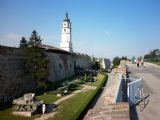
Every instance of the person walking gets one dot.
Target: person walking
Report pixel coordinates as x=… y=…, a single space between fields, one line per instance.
x=43 y=108
x=137 y=63
x=142 y=63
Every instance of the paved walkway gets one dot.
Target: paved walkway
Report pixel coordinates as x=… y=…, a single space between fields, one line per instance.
x=151 y=84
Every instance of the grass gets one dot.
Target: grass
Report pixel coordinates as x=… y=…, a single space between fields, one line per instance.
x=48 y=98
x=72 y=108
x=67 y=110
x=99 y=82
x=156 y=62
x=6 y=114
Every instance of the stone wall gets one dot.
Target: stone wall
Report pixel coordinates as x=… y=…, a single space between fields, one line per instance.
x=14 y=80
x=82 y=60
x=61 y=66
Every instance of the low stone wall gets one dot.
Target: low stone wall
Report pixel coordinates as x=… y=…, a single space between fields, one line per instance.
x=121 y=71
x=119 y=90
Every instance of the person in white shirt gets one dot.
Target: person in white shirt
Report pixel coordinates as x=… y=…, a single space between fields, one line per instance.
x=43 y=108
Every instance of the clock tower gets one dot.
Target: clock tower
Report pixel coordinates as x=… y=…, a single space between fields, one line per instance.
x=66 y=35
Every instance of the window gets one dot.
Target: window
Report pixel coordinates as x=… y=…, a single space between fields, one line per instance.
x=64 y=30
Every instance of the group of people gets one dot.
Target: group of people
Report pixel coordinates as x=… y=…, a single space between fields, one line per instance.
x=139 y=62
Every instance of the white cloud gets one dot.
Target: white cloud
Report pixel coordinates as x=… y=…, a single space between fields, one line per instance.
x=10 y=39
x=13 y=39
x=13 y=36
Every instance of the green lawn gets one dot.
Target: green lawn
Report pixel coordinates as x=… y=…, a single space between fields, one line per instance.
x=72 y=108
x=7 y=115
x=48 y=98
x=99 y=81
x=67 y=110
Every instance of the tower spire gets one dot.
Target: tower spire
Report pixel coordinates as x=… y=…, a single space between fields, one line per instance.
x=66 y=17
x=66 y=34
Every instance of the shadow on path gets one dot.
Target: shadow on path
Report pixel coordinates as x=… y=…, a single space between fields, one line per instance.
x=50 y=108
x=133 y=113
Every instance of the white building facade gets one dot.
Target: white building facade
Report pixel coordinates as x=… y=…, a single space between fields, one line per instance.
x=106 y=63
x=66 y=35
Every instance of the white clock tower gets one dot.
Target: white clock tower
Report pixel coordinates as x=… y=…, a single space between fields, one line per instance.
x=66 y=35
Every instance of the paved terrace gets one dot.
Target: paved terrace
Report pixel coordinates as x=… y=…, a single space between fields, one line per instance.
x=150 y=75
x=106 y=108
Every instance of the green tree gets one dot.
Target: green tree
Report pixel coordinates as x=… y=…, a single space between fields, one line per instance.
x=116 y=61
x=124 y=58
x=153 y=55
x=147 y=56
x=23 y=43
x=36 y=62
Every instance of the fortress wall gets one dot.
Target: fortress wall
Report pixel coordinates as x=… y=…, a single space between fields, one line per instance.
x=13 y=78
x=15 y=81
x=61 y=66
x=82 y=60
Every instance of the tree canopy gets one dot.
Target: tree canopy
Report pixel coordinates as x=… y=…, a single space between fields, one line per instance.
x=36 y=61
x=153 y=55
x=116 y=61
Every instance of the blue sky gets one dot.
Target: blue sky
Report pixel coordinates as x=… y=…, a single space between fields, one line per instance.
x=103 y=28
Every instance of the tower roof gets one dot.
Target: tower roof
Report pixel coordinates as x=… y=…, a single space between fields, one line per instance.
x=66 y=18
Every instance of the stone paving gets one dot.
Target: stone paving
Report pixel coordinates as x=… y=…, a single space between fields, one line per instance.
x=150 y=74
x=113 y=111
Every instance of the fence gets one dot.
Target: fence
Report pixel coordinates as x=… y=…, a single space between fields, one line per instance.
x=134 y=90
